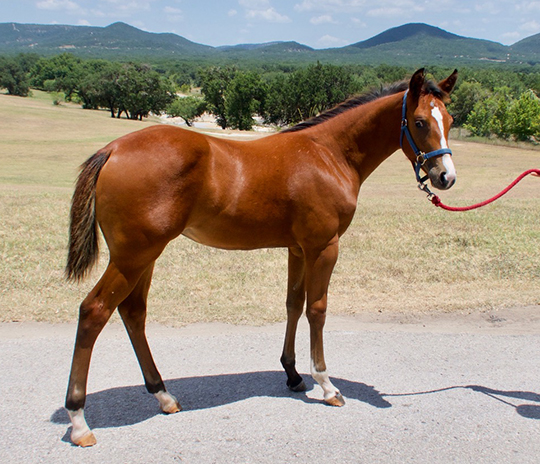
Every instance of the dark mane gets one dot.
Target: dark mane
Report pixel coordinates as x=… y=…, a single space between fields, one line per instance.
x=430 y=87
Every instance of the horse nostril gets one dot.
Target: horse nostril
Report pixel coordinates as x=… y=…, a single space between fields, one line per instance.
x=443 y=178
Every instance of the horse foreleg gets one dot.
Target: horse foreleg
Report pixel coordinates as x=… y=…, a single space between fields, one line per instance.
x=133 y=313
x=94 y=312
x=296 y=297
x=319 y=270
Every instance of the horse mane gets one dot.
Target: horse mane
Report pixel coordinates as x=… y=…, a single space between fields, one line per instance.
x=430 y=87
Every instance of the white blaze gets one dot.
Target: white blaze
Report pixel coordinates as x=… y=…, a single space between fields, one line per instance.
x=446 y=159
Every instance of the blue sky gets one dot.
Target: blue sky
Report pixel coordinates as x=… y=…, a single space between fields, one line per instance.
x=317 y=23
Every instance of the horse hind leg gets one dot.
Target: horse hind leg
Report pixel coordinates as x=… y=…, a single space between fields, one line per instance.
x=133 y=313
x=96 y=309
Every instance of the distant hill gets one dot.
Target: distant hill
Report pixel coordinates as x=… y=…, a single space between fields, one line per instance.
x=405 y=32
x=118 y=39
x=410 y=44
x=529 y=46
x=268 y=50
x=424 y=42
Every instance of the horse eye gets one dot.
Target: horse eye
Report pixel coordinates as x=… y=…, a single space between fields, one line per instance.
x=419 y=124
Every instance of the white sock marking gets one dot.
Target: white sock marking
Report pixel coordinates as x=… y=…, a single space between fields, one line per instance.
x=80 y=427
x=324 y=381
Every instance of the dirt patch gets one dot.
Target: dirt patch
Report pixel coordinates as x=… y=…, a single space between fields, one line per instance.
x=518 y=320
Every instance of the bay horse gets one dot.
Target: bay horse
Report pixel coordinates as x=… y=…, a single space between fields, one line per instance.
x=296 y=189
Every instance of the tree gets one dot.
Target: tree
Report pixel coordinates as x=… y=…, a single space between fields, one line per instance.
x=214 y=82
x=491 y=115
x=63 y=71
x=464 y=99
x=13 y=77
x=307 y=92
x=96 y=83
x=233 y=96
x=277 y=111
x=524 y=116
x=244 y=96
x=188 y=108
x=142 y=91
x=478 y=120
x=500 y=120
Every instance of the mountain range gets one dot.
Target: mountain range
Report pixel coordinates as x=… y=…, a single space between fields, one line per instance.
x=411 y=43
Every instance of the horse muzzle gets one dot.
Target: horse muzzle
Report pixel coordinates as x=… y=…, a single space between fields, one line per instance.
x=442 y=179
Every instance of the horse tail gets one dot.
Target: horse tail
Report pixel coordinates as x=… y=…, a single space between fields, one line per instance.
x=83 y=247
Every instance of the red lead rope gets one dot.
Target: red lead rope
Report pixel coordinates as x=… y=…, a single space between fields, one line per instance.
x=437 y=201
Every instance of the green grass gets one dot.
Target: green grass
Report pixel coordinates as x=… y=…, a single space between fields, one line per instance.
x=400 y=254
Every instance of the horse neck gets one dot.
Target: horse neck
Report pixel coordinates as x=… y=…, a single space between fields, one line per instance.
x=365 y=136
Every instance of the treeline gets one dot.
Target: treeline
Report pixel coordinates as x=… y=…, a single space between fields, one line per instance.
x=488 y=102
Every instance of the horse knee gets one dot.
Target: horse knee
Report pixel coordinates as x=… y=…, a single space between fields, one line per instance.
x=316 y=311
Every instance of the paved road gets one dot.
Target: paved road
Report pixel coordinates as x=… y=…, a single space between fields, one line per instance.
x=461 y=390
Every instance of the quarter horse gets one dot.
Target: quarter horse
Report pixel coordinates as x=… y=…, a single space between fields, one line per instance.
x=296 y=189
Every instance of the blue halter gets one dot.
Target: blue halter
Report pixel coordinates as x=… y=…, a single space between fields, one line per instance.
x=421 y=157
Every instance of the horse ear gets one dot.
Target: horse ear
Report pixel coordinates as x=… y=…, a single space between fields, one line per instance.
x=447 y=85
x=417 y=83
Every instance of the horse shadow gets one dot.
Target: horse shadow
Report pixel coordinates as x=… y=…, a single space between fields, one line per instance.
x=129 y=405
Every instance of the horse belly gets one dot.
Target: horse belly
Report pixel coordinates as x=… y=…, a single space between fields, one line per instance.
x=239 y=233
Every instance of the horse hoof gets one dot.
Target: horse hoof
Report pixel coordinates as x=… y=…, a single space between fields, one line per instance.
x=167 y=402
x=173 y=409
x=300 y=387
x=88 y=439
x=337 y=400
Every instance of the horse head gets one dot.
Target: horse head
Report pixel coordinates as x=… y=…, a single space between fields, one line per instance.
x=425 y=125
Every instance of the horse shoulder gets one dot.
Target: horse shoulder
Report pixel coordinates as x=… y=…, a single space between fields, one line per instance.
x=323 y=188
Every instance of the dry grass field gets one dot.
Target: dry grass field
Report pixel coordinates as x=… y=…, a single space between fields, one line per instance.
x=400 y=255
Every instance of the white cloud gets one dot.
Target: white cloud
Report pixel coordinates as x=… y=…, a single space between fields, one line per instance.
x=330 y=5
x=58 y=5
x=130 y=6
x=270 y=15
x=382 y=12
x=511 y=36
x=170 y=9
x=528 y=6
x=98 y=13
x=173 y=14
x=232 y=13
x=324 y=19
x=392 y=8
x=358 y=22
x=488 y=8
x=254 y=4
x=261 y=10
x=330 y=41
x=531 y=26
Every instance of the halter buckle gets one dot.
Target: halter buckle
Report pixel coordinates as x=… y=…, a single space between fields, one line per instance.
x=424 y=188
